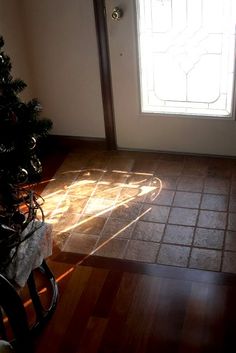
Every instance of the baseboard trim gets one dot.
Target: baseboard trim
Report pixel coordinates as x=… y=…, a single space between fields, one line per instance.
x=67 y=143
x=193 y=154
x=73 y=142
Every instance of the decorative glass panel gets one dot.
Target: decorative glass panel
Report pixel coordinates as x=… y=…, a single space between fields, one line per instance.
x=187 y=54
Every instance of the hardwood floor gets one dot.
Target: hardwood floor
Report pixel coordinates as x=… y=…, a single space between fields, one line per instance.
x=117 y=306
x=107 y=305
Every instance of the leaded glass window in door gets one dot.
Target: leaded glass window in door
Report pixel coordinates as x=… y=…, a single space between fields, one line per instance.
x=187 y=56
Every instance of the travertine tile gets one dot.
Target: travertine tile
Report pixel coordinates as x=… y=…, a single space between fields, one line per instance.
x=229 y=262
x=183 y=216
x=217 y=185
x=141 y=251
x=72 y=162
x=174 y=255
x=111 y=247
x=214 y=202
x=232 y=221
x=218 y=172
x=75 y=204
x=129 y=210
x=60 y=238
x=212 y=219
x=120 y=163
x=106 y=191
x=189 y=183
x=205 y=259
x=230 y=241
x=178 y=234
x=233 y=184
x=148 y=231
x=220 y=167
x=155 y=213
x=209 y=238
x=145 y=165
x=139 y=179
x=98 y=162
x=187 y=199
x=130 y=195
x=64 y=222
x=81 y=243
x=89 y=175
x=52 y=205
x=121 y=228
x=195 y=166
x=89 y=225
x=170 y=168
x=168 y=182
x=99 y=206
x=64 y=179
x=137 y=189
x=113 y=178
x=156 y=184
x=82 y=188
x=232 y=203
x=163 y=197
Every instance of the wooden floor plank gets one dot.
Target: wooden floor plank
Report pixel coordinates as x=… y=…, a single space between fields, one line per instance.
x=194 y=320
x=83 y=311
x=141 y=314
x=53 y=335
x=116 y=325
x=144 y=313
x=93 y=335
x=107 y=295
x=169 y=316
x=229 y=321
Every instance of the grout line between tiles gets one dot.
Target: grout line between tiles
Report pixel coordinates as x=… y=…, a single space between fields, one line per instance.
x=175 y=189
x=164 y=230
x=226 y=226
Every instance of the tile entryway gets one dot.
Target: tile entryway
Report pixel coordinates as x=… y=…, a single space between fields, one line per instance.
x=150 y=207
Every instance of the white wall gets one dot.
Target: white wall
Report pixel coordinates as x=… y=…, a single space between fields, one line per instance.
x=15 y=45
x=61 y=42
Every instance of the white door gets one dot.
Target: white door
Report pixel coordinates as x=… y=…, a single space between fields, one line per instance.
x=183 y=100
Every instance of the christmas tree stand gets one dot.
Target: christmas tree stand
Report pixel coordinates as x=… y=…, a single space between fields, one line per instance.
x=25 y=237
x=30 y=257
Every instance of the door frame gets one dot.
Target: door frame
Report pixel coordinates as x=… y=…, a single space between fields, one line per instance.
x=106 y=76
x=105 y=73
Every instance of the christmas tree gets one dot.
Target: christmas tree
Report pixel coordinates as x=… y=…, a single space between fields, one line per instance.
x=21 y=128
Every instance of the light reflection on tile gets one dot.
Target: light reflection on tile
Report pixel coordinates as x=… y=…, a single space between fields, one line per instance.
x=146 y=207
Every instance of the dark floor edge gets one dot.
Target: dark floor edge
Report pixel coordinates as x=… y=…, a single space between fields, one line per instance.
x=180 y=153
x=156 y=270
x=75 y=142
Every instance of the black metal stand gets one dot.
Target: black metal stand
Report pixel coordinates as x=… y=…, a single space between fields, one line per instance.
x=42 y=315
x=13 y=307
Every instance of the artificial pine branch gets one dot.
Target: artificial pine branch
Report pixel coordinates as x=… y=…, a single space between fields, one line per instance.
x=20 y=129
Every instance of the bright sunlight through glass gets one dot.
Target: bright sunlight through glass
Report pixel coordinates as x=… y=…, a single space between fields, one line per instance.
x=187 y=54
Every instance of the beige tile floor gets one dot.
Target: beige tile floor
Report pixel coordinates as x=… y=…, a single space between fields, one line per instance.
x=149 y=207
